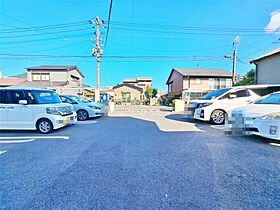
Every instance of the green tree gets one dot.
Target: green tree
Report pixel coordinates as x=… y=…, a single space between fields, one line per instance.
x=249 y=79
x=150 y=92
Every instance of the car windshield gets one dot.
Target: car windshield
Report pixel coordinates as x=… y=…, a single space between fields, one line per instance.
x=215 y=94
x=79 y=99
x=271 y=99
x=45 y=97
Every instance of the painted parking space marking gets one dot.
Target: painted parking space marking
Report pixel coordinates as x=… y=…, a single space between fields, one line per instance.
x=16 y=141
x=86 y=122
x=2 y=152
x=34 y=137
x=218 y=127
x=275 y=144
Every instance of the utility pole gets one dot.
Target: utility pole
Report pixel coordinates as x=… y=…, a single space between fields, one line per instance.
x=97 y=52
x=233 y=57
x=235 y=43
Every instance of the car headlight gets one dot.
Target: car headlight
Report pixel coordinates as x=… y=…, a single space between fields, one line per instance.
x=53 y=110
x=272 y=116
x=94 y=107
x=204 y=104
x=60 y=110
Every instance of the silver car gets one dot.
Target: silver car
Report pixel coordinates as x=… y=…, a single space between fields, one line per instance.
x=84 y=108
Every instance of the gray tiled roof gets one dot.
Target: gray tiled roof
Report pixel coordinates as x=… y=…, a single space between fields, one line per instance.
x=40 y=84
x=203 y=72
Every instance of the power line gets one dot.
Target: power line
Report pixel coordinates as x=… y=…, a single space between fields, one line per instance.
x=114 y=61
x=49 y=27
x=186 y=33
x=108 y=21
x=111 y=56
x=199 y=28
x=44 y=34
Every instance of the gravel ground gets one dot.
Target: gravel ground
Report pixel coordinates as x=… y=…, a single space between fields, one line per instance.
x=137 y=159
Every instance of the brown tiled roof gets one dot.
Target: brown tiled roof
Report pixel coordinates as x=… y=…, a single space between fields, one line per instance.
x=5 y=82
x=48 y=67
x=273 y=52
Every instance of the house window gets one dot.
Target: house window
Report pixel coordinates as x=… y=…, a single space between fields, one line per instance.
x=211 y=84
x=228 y=82
x=170 y=87
x=40 y=76
x=197 y=81
x=222 y=83
x=36 y=77
x=45 y=76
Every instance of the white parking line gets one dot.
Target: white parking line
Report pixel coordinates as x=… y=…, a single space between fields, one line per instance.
x=86 y=122
x=275 y=144
x=34 y=137
x=2 y=152
x=16 y=141
x=219 y=127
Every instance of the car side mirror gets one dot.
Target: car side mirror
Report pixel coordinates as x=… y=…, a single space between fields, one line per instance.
x=23 y=102
x=232 y=96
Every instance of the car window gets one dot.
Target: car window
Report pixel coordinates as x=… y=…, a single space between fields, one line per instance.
x=215 y=94
x=30 y=97
x=241 y=93
x=14 y=96
x=66 y=100
x=271 y=99
x=265 y=91
x=2 y=97
x=45 y=97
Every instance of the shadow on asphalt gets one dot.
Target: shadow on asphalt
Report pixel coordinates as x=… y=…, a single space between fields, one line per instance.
x=201 y=125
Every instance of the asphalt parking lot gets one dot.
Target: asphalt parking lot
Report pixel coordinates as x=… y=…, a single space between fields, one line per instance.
x=138 y=158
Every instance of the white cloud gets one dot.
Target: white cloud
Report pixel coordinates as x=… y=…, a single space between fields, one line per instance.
x=274 y=24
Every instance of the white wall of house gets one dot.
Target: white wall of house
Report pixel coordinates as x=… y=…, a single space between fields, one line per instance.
x=58 y=76
x=268 y=70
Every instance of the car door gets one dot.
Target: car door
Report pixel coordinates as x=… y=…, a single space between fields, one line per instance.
x=19 y=116
x=3 y=110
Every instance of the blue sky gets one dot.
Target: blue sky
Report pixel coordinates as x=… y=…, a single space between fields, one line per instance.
x=137 y=40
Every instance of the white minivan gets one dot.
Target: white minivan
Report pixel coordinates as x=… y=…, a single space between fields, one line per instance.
x=31 y=109
x=215 y=105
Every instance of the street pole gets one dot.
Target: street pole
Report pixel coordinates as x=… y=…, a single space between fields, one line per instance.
x=235 y=43
x=233 y=66
x=97 y=52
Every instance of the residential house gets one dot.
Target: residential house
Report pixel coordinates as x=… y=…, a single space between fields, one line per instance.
x=268 y=68
x=197 y=79
x=63 y=79
x=128 y=93
x=142 y=82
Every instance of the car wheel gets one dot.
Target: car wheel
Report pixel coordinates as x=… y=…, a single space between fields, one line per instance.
x=82 y=115
x=44 y=126
x=218 y=117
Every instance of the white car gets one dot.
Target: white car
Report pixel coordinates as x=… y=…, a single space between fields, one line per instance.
x=84 y=108
x=261 y=117
x=31 y=109
x=215 y=105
